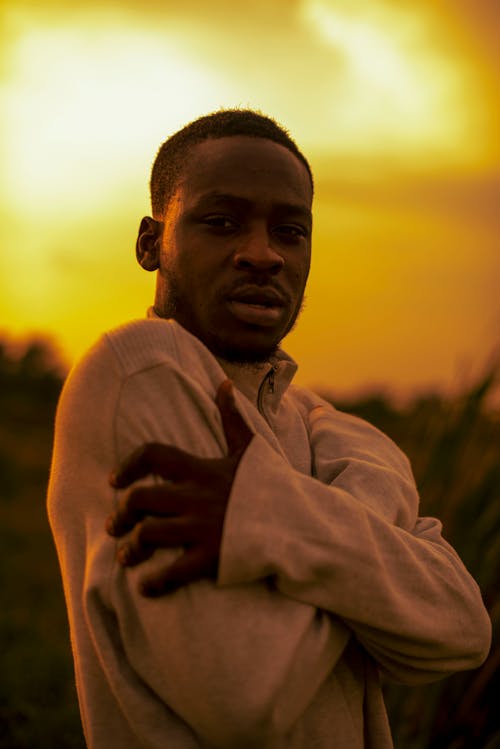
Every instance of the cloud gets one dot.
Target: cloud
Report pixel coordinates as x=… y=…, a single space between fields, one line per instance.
x=463 y=198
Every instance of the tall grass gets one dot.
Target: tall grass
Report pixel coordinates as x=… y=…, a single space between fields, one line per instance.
x=38 y=707
x=453 y=445
x=454 y=448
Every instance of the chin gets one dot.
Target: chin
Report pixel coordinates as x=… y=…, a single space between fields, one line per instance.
x=237 y=344
x=241 y=354
x=247 y=357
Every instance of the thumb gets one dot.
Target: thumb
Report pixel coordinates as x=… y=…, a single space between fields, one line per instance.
x=236 y=430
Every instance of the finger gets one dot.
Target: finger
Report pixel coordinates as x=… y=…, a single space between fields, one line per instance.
x=129 y=557
x=162 y=499
x=191 y=566
x=236 y=430
x=167 y=461
x=155 y=533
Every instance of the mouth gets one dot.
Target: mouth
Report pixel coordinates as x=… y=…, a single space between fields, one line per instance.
x=263 y=307
x=256 y=314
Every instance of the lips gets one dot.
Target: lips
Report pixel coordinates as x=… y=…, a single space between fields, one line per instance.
x=257 y=306
x=257 y=296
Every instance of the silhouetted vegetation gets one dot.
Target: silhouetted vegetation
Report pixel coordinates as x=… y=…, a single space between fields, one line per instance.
x=453 y=445
x=37 y=694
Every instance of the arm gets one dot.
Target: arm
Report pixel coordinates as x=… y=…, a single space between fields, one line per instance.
x=349 y=541
x=238 y=664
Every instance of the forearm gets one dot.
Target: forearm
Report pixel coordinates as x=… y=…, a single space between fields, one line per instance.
x=404 y=592
x=240 y=665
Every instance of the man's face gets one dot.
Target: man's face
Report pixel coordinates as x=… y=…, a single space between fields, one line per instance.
x=236 y=245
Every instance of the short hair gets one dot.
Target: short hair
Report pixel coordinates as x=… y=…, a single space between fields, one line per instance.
x=173 y=153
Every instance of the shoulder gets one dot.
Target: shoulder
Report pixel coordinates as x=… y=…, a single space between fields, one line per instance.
x=321 y=414
x=115 y=356
x=153 y=342
x=340 y=432
x=134 y=355
x=132 y=347
x=141 y=343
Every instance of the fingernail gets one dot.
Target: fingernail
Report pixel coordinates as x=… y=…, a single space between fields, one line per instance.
x=110 y=525
x=123 y=555
x=232 y=400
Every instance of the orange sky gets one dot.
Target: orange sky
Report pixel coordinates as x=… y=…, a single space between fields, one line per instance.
x=395 y=103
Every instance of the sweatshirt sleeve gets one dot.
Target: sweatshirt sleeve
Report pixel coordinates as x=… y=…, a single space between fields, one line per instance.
x=237 y=664
x=348 y=541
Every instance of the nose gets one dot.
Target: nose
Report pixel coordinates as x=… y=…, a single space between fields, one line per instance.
x=256 y=253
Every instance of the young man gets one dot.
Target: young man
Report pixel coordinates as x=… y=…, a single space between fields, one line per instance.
x=266 y=562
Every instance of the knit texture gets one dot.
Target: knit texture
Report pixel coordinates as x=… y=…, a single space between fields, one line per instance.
x=327 y=576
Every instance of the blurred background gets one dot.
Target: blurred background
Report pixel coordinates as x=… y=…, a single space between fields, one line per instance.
x=397 y=107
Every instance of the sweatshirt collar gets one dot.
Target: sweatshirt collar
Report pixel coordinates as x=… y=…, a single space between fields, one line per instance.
x=263 y=384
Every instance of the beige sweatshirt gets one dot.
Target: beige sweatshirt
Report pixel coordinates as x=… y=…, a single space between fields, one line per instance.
x=327 y=575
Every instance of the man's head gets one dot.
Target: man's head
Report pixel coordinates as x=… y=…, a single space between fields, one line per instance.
x=231 y=234
x=174 y=152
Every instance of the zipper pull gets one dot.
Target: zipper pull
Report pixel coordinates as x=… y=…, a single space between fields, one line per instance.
x=271 y=378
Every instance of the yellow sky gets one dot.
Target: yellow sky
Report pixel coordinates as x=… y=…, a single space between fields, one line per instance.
x=395 y=103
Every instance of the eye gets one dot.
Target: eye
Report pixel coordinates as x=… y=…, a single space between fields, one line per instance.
x=220 y=223
x=291 y=232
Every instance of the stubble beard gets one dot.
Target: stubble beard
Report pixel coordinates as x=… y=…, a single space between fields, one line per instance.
x=175 y=305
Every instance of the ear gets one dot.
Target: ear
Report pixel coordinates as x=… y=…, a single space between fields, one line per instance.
x=147 y=247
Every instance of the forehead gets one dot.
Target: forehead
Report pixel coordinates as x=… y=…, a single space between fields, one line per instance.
x=255 y=169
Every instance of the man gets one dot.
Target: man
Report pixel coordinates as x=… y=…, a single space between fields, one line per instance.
x=266 y=562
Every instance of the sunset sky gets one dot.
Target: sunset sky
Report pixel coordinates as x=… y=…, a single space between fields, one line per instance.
x=395 y=103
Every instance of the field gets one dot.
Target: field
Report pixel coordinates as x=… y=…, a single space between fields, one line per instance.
x=454 y=447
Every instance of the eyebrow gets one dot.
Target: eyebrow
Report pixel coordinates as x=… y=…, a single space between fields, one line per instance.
x=240 y=202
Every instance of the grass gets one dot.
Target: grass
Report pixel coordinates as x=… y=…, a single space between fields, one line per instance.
x=38 y=705
x=453 y=445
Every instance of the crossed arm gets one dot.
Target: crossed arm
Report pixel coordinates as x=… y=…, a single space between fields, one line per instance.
x=301 y=562
x=186 y=510
x=391 y=578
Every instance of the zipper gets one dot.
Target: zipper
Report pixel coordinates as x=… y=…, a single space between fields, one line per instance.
x=271 y=378
x=270 y=381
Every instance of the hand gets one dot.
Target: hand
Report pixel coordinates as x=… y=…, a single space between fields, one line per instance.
x=187 y=509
